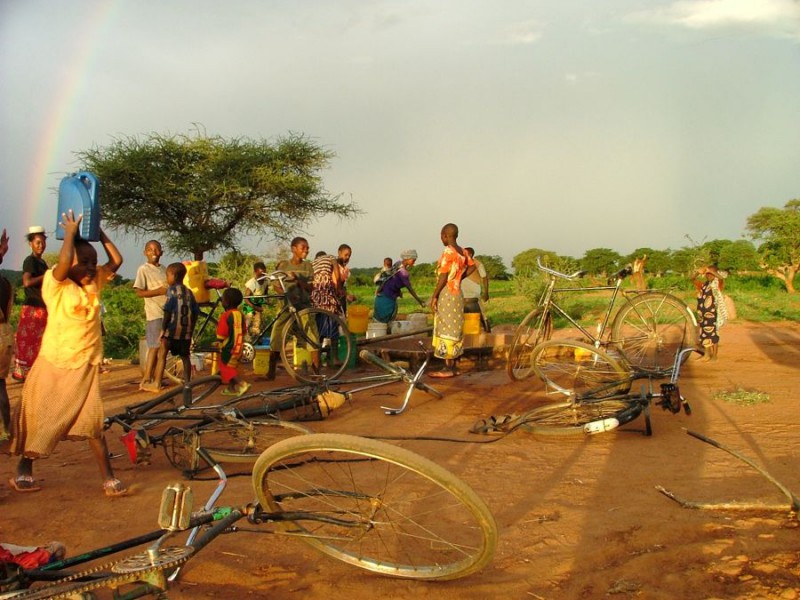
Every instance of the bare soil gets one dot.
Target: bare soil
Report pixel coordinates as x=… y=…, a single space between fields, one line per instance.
x=577 y=519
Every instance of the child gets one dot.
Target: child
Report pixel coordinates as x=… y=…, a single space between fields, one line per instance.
x=324 y=295
x=151 y=285
x=61 y=398
x=230 y=338
x=382 y=274
x=252 y=308
x=180 y=316
x=298 y=294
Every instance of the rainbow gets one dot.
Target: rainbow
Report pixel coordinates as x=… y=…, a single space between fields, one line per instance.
x=48 y=163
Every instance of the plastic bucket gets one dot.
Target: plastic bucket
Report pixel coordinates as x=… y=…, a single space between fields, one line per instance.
x=351 y=363
x=418 y=321
x=301 y=356
x=401 y=327
x=376 y=329
x=357 y=318
x=472 y=323
x=261 y=360
x=196 y=275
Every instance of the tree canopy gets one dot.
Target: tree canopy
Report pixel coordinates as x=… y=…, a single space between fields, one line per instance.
x=202 y=193
x=779 y=228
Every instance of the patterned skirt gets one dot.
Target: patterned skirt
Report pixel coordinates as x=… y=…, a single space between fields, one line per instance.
x=57 y=404
x=32 y=321
x=448 y=326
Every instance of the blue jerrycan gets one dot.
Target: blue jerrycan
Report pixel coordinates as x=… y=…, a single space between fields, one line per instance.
x=80 y=192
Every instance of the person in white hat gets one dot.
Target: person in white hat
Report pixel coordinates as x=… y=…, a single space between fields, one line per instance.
x=33 y=315
x=390 y=287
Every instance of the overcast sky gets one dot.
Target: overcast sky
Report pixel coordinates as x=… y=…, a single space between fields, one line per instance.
x=557 y=124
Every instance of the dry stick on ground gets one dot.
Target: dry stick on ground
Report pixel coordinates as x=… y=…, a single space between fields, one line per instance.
x=794 y=501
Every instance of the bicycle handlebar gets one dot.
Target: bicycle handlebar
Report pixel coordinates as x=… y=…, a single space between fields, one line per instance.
x=574 y=276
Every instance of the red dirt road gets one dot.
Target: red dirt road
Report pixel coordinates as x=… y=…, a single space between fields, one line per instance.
x=576 y=519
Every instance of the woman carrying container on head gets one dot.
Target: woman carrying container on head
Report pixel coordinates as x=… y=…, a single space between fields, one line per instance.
x=390 y=287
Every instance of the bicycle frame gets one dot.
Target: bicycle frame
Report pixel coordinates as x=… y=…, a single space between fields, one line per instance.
x=548 y=303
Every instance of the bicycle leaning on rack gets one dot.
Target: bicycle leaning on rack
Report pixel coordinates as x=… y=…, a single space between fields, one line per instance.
x=370 y=504
x=300 y=335
x=648 y=328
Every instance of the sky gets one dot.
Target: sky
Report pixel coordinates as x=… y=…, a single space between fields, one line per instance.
x=557 y=124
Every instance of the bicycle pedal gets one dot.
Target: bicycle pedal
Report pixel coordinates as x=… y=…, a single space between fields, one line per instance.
x=671 y=398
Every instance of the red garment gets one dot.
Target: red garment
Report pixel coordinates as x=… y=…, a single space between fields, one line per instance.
x=32 y=321
x=25 y=557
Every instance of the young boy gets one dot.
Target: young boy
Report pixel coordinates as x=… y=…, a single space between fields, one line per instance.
x=180 y=316
x=230 y=338
x=151 y=285
x=252 y=308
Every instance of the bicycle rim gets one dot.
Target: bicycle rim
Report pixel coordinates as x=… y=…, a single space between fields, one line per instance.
x=302 y=339
x=570 y=418
x=377 y=506
x=575 y=368
x=245 y=441
x=536 y=327
x=651 y=328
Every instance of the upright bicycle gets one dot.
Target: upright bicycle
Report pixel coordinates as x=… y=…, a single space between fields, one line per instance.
x=300 y=339
x=647 y=329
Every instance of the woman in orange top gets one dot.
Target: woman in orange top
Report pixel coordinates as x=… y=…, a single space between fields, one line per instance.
x=61 y=398
x=447 y=302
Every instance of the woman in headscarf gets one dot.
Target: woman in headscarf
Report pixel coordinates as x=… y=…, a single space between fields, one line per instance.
x=33 y=316
x=712 y=312
x=390 y=287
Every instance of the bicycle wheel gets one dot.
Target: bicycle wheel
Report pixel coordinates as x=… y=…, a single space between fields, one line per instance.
x=536 y=327
x=236 y=441
x=376 y=506
x=574 y=368
x=301 y=340
x=651 y=328
x=572 y=418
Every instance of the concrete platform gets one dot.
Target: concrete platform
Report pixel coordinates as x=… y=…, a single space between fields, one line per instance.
x=482 y=351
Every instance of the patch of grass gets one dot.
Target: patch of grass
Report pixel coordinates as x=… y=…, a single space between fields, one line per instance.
x=742 y=397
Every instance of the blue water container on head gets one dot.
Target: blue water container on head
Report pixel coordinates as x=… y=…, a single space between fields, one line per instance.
x=80 y=192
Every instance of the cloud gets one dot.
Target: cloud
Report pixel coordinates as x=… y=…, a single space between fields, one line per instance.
x=781 y=17
x=523 y=33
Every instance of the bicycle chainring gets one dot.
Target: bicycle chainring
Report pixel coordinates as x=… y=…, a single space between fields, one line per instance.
x=133 y=569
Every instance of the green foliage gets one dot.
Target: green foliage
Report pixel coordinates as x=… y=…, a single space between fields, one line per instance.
x=202 y=193
x=601 y=261
x=740 y=255
x=495 y=269
x=780 y=231
x=123 y=320
x=524 y=263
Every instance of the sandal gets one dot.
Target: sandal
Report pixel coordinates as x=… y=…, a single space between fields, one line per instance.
x=496 y=426
x=24 y=484
x=114 y=487
x=442 y=374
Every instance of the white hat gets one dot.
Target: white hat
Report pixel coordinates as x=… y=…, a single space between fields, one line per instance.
x=34 y=229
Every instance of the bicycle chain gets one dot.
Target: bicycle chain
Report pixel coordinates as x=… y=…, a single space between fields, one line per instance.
x=139 y=565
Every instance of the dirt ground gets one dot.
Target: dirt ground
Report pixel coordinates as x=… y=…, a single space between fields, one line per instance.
x=576 y=519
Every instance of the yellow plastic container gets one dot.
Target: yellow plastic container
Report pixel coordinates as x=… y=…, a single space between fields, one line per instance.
x=261 y=360
x=196 y=275
x=301 y=355
x=472 y=323
x=357 y=318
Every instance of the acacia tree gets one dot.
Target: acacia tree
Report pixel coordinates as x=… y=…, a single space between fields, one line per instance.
x=201 y=193
x=780 y=231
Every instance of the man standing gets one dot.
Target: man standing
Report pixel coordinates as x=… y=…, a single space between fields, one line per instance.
x=475 y=288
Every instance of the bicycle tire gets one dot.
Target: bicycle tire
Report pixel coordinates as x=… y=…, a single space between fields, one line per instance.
x=303 y=326
x=406 y=516
x=651 y=328
x=570 y=418
x=536 y=327
x=573 y=368
x=234 y=442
